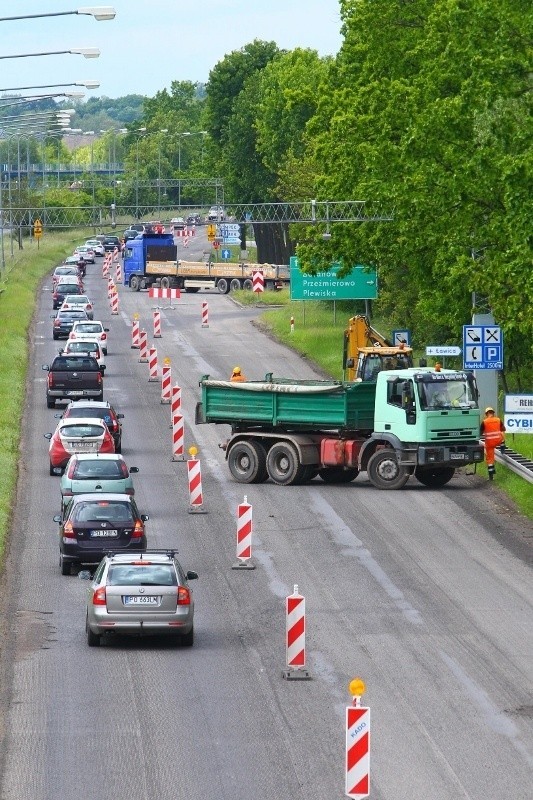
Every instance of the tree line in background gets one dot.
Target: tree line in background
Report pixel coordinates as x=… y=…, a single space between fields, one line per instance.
x=425 y=111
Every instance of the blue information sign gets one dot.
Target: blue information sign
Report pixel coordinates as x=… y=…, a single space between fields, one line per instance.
x=225 y=253
x=482 y=347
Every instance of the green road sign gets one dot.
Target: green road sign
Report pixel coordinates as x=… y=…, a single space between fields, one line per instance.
x=359 y=284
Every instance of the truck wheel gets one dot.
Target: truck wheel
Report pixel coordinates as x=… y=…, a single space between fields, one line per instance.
x=338 y=475
x=248 y=285
x=223 y=285
x=135 y=283
x=247 y=462
x=385 y=472
x=283 y=464
x=434 y=477
x=235 y=285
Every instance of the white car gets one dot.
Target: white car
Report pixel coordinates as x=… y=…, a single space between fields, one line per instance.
x=90 y=329
x=83 y=346
x=78 y=302
x=95 y=245
x=87 y=253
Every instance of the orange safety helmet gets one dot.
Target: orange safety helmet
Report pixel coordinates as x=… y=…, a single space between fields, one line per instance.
x=236 y=370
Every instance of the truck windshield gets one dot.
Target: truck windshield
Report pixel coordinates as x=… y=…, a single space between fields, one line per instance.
x=448 y=393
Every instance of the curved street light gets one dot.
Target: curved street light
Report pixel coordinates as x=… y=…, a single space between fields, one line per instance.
x=100 y=13
x=86 y=52
x=87 y=84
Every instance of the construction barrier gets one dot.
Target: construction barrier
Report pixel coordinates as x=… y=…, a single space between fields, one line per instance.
x=258 y=280
x=143 y=347
x=244 y=536
x=152 y=364
x=292 y=324
x=295 y=636
x=110 y=286
x=114 y=302
x=115 y=254
x=163 y=294
x=157 y=324
x=357 y=744
x=175 y=400
x=135 y=333
x=166 y=381
x=178 y=437
x=118 y=272
x=194 y=474
x=205 y=314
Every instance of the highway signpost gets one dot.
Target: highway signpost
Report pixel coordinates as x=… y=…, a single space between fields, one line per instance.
x=229 y=232
x=359 y=284
x=482 y=347
x=37 y=230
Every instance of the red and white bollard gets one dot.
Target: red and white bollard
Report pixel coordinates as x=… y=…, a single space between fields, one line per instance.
x=166 y=381
x=258 y=281
x=175 y=400
x=135 y=333
x=157 y=324
x=178 y=437
x=194 y=474
x=205 y=314
x=118 y=272
x=295 y=637
x=114 y=302
x=292 y=324
x=110 y=286
x=105 y=268
x=143 y=347
x=357 y=744
x=116 y=254
x=152 y=364
x=244 y=536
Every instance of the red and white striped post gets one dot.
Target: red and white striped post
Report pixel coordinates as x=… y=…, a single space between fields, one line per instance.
x=357 y=744
x=295 y=637
x=116 y=254
x=258 y=281
x=244 y=536
x=152 y=364
x=105 y=267
x=157 y=324
x=118 y=272
x=194 y=474
x=110 y=286
x=292 y=324
x=175 y=400
x=178 y=437
x=205 y=314
x=166 y=381
x=143 y=347
x=114 y=301
x=135 y=333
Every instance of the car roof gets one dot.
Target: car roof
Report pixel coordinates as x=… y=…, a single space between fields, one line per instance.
x=93 y=322
x=103 y=496
x=79 y=421
x=129 y=558
x=98 y=456
x=90 y=403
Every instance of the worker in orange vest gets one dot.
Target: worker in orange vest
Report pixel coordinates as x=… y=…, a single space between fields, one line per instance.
x=237 y=375
x=493 y=434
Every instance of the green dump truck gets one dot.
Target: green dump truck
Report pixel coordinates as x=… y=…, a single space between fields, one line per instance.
x=420 y=422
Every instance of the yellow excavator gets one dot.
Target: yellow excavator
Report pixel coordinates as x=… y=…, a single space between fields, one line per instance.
x=366 y=352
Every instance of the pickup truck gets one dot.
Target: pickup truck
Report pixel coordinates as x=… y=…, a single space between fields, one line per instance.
x=73 y=377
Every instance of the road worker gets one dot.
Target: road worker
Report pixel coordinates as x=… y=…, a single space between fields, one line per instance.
x=493 y=434
x=237 y=375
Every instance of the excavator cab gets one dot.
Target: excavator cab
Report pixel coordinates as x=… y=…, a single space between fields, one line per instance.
x=366 y=352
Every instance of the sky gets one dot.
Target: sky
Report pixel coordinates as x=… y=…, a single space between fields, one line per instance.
x=153 y=42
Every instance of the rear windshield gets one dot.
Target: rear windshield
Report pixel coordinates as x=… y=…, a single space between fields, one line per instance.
x=137 y=575
x=83 y=347
x=68 y=288
x=81 y=431
x=87 y=411
x=89 y=328
x=104 y=511
x=106 y=470
x=72 y=315
x=75 y=364
x=76 y=298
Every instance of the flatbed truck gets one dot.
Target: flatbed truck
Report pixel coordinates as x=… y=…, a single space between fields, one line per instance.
x=417 y=421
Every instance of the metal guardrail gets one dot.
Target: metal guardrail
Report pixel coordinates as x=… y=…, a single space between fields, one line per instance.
x=517 y=463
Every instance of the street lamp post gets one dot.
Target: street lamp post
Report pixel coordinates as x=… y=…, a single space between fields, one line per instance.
x=100 y=13
x=162 y=130
x=87 y=84
x=141 y=131
x=184 y=133
x=86 y=52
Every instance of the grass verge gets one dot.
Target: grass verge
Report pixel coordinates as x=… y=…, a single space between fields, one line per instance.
x=18 y=288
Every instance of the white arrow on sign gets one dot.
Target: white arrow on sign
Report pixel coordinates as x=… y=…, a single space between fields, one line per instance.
x=443 y=350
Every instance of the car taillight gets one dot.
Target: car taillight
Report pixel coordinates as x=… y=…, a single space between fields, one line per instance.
x=70 y=473
x=103 y=337
x=123 y=469
x=184 y=596
x=50 y=379
x=88 y=307
x=99 y=598
x=67 y=528
x=67 y=493
x=138 y=528
x=57 y=323
x=98 y=377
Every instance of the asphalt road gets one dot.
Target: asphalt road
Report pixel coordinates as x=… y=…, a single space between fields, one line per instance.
x=426 y=595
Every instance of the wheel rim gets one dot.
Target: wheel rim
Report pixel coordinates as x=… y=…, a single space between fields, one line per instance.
x=388 y=469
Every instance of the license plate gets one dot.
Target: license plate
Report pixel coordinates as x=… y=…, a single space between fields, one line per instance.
x=141 y=600
x=85 y=445
x=104 y=533
x=457 y=457
x=75 y=393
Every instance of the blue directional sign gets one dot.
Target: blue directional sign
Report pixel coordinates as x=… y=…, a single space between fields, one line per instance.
x=225 y=253
x=482 y=347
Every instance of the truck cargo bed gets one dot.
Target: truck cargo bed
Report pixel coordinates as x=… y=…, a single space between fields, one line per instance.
x=299 y=405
